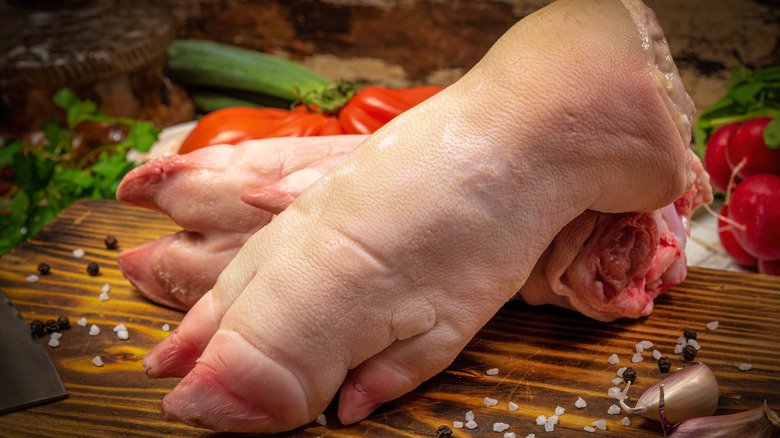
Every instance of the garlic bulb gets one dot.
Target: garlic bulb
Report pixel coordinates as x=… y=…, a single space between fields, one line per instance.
x=689 y=393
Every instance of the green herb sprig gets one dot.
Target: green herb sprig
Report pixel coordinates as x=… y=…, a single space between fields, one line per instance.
x=749 y=94
x=48 y=178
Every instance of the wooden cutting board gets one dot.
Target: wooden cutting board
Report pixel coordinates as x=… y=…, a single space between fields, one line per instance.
x=546 y=357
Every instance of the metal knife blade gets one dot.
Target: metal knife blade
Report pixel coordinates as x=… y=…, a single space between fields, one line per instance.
x=27 y=375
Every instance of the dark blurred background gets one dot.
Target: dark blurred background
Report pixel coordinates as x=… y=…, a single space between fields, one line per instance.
x=46 y=44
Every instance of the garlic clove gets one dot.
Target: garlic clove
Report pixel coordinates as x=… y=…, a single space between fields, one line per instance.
x=689 y=393
x=759 y=422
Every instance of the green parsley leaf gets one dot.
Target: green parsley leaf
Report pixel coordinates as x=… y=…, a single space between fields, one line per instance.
x=748 y=95
x=47 y=179
x=772 y=134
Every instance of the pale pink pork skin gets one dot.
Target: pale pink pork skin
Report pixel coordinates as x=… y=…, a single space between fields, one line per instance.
x=378 y=274
x=202 y=193
x=604 y=265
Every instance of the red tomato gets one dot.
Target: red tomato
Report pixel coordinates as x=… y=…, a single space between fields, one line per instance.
x=236 y=124
x=372 y=107
x=365 y=112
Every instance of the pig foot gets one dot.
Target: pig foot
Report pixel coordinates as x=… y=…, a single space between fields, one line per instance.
x=277 y=196
x=177 y=269
x=377 y=276
x=204 y=192
x=278 y=372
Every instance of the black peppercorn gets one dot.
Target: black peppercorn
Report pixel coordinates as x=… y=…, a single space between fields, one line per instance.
x=443 y=432
x=93 y=269
x=63 y=322
x=110 y=242
x=629 y=375
x=689 y=352
x=664 y=364
x=690 y=334
x=44 y=269
x=52 y=326
x=38 y=327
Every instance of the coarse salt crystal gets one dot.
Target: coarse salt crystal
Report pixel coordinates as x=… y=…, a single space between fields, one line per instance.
x=82 y=322
x=120 y=327
x=656 y=354
x=55 y=335
x=600 y=424
x=560 y=410
x=745 y=366
x=540 y=420
x=621 y=370
x=552 y=419
x=636 y=358
x=613 y=410
x=106 y=288
x=626 y=421
x=500 y=427
x=639 y=348
x=469 y=415
x=695 y=343
x=471 y=424
x=712 y=325
x=32 y=278
x=646 y=344
x=457 y=425
x=321 y=420
x=94 y=330
x=513 y=406
x=490 y=401
x=122 y=334
x=531 y=435
x=678 y=349
x=682 y=340
x=614 y=392
x=549 y=426
x=103 y=296
x=510 y=435
x=78 y=253
x=613 y=359
x=492 y=372
x=166 y=327
x=54 y=342
x=580 y=403
x=617 y=381
x=589 y=428
x=97 y=361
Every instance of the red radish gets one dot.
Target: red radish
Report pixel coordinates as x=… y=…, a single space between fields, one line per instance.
x=747 y=142
x=755 y=205
x=730 y=244
x=715 y=162
x=769 y=268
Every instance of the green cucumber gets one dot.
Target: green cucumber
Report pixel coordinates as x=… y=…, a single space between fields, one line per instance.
x=202 y=63
x=207 y=100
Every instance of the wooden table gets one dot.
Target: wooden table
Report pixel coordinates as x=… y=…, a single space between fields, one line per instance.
x=546 y=357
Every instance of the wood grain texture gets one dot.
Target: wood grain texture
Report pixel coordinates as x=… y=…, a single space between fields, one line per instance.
x=546 y=357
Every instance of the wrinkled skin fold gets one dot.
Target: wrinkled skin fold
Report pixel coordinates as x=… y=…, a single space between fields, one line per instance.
x=377 y=275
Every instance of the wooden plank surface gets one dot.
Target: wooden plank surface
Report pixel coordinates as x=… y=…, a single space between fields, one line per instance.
x=546 y=357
